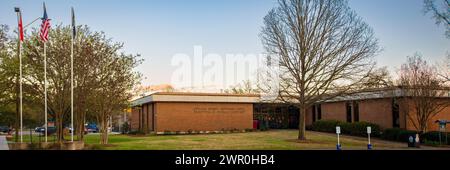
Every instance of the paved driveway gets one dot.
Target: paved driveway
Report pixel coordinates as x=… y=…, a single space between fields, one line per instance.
x=3 y=143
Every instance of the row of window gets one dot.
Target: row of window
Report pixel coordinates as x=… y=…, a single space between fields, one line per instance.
x=352 y=112
x=352 y=108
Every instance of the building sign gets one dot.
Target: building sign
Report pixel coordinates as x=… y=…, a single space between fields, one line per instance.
x=223 y=110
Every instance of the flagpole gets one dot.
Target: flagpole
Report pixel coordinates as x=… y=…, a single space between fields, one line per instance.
x=71 y=87
x=71 y=92
x=20 y=82
x=45 y=90
x=19 y=17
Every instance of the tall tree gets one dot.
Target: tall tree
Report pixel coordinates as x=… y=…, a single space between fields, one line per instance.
x=423 y=90
x=9 y=74
x=97 y=62
x=115 y=80
x=440 y=10
x=324 y=49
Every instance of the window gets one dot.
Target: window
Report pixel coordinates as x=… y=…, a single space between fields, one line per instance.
x=355 y=112
x=319 y=112
x=349 y=111
x=314 y=113
x=395 y=114
x=140 y=118
x=147 y=118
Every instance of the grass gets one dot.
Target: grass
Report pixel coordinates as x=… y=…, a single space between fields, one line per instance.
x=267 y=140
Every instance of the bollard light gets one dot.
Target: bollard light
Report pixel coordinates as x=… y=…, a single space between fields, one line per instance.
x=369 y=131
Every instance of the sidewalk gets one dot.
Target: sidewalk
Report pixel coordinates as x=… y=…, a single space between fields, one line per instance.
x=3 y=143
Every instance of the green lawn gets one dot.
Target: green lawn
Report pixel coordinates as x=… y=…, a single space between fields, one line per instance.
x=272 y=140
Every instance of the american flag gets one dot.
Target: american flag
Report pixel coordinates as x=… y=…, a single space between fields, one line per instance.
x=45 y=27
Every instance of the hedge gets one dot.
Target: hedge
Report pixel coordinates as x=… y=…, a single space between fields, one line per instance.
x=401 y=135
x=433 y=137
x=397 y=134
x=354 y=129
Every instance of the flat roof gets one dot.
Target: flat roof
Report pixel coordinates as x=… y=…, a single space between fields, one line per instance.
x=255 y=98
x=196 y=97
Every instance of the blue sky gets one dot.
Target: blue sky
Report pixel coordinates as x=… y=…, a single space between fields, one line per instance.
x=159 y=29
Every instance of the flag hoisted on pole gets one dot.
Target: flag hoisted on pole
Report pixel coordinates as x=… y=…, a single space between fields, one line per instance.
x=20 y=27
x=74 y=33
x=44 y=38
x=20 y=34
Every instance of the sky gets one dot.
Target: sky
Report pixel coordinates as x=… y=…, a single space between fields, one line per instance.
x=160 y=29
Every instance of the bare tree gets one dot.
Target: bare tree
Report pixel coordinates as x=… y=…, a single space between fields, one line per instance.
x=444 y=69
x=422 y=91
x=324 y=50
x=441 y=12
x=245 y=87
x=379 y=78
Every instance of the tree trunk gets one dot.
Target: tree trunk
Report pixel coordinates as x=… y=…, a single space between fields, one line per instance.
x=59 y=128
x=104 y=130
x=80 y=126
x=301 y=124
x=79 y=122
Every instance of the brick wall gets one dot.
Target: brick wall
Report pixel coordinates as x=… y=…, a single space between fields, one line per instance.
x=142 y=120
x=378 y=111
x=203 y=116
x=432 y=126
x=334 y=111
x=134 y=119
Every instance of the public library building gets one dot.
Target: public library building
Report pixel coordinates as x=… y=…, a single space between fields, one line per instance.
x=184 y=111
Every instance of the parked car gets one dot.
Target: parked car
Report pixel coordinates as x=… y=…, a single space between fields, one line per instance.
x=91 y=128
x=4 y=129
x=50 y=130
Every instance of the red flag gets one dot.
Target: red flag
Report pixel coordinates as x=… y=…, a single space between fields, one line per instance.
x=20 y=28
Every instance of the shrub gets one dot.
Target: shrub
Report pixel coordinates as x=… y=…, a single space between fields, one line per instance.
x=355 y=128
x=325 y=125
x=359 y=128
x=136 y=132
x=125 y=128
x=308 y=127
x=433 y=137
x=263 y=125
x=397 y=134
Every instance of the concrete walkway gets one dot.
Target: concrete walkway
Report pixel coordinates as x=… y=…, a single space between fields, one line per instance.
x=3 y=143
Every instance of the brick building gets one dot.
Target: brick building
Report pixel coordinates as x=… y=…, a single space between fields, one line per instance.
x=166 y=111
x=385 y=107
x=174 y=111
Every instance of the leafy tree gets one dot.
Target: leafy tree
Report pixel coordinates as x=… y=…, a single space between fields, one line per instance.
x=103 y=76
